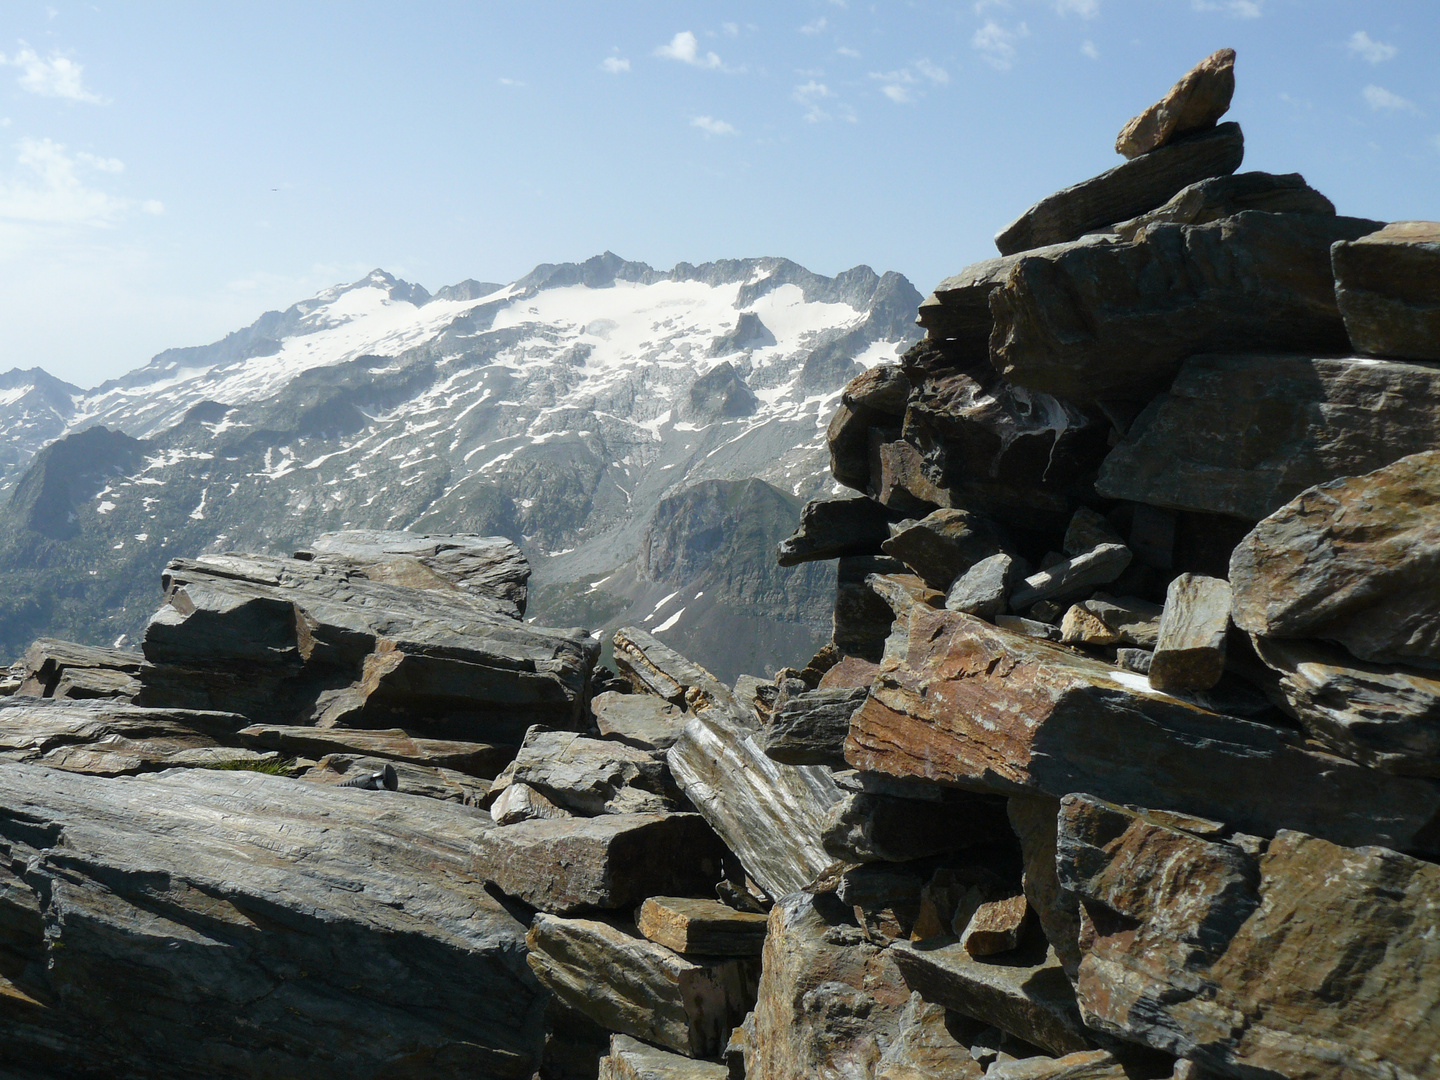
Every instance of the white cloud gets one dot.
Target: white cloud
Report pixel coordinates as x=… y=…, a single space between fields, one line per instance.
x=510 y=82
x=899 y=85
x=934 y=72
x=897 y=93
x=815 y=27
x=810 y=95
x=1089 y=49
x=685 y=48
x=996 y=44
x=615 y=64
x=854 y=54
x=110 y=165
x=730 y=29
x=1086 y=9
x=711 y=126
x=48 y=190
x=1378 y=98
x=57 y=76
x=153 y=206
x=1377 y=52
x=1237 y=9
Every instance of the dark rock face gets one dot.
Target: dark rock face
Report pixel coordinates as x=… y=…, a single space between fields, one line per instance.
x=226 y=906
x=1226 y=196
x=1386 y=286
x=720 y=393
x=1114 y=322
x=1124 y=191
x=1243 y=435
x=835 y=528
x=1355 y=560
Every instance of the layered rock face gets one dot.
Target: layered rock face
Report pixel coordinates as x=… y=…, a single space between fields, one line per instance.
x=1123 y=760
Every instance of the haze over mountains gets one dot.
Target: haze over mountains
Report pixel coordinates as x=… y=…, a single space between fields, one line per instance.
x=646 y=436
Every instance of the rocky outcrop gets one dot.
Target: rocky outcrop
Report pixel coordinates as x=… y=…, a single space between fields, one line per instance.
x=1194 y=103
x=1385 y=284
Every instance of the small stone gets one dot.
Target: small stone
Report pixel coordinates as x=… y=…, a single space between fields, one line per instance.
x=1190 y=648
x=981 y=590
x=1028 y=627
x=521 y=802
x=1194 y=103
x=701 y=927
x=1136 y=660
x=631 y=1059
x=995 y=927
x=1078 y=574
x=1386 y=285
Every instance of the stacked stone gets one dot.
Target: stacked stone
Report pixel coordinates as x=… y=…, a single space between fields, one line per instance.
x=1147 y=550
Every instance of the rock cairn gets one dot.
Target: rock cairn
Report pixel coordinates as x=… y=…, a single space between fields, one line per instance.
x=1122 y=761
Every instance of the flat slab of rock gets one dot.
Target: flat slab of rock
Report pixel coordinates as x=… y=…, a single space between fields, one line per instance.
x=1190 y=647
x=67 y=670
x=1086 y=1065
x=631 y=1059
x=1226 y=196
x=427 y=780
x=593 y=776
x=1078 y=574
x=655 y=668
x=810 y=728
x=1388 y=288
x=105 y=738
x=771 y=815
x=477 y=759
x=628 y=984
x=1027 y=995
x=1124 y=191
x=489 y=566
x=1243 y=435
x=701 y=927
x=216 y=900
x=1227 y=971
x=1381 y=715
x=641 y=720
x=977 y=707
x=612 y=862
x=1355 y=561
x=1194 y=103
x=832 y=528
x=1114 y=322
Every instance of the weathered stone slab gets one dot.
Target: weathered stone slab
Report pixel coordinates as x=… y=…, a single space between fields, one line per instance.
x=853 y=672
x=55 y=668
x=810 y=728
x=1228 y=970
x=982 y=589
x=427 y=780
x=1194 y=103
x=901 y=592
x=944 y=544
x=611 y=862
x=995 y=926
x=848 y=437
x=1190 y=647
x=1086 y=1065
x=1388 y=288
x=883 y=388
x=829 y=1001
x=1114 y=322
x=1226 y=196
x=655 y=668
x=628 y=984
x=1356 y=561
x=592 y=776
x=1124 y=191
x=105 y=738
x=1243 y=435
x=185 y=913
x=833 y=528
x=641 y=720
x=927 y=1046
x=1384 y=716
x=701 y=927
x=977 y=707
x=477 y=759
x=631 y=1059
x=1078 y=574
x=771 y=815
x=1025 y=994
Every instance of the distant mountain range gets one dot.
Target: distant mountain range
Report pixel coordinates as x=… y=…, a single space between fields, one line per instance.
x=645 y=436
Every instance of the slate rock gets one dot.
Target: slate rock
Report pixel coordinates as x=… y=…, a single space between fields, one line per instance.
x=1194 y=103
x=64 y=669
x=521 y=802
x=771 y=815
x=593 y=776
x=853 y=672
x=1088 y=530
x=476 y=759
x=874 y=827
x=631 y=1059
x=1114 y=322
x=1124 y=191
x=1355 y=561
x=1071 y=577
x=810 y=728
x=833 y=528
x=978 y=707
x=641 y=720
x=848 y=437
x=942 y=545
x=883 y=388
x=1384 y=716
x=655 y=668
x=1225 y=196
x=1190 y=646
x=1226 y=971
x=995 y=926
x=1025 y=994
x=982 y=589
x=1243 y=435
x=489 y=566
x=1034 y=820
x=1104 y=620
x=701 y=927
x=346 y=926
x=1086 y=1065
x=423 y=780
x=1388 y=288
x=829 y=1002
x=628 y=984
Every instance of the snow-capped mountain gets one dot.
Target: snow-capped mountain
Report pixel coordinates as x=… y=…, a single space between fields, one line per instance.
x=578 y=410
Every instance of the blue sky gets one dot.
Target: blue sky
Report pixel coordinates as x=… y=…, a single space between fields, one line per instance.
x=170 y=170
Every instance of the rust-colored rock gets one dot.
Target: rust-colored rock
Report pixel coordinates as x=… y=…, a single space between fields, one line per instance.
x=1196 y=102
